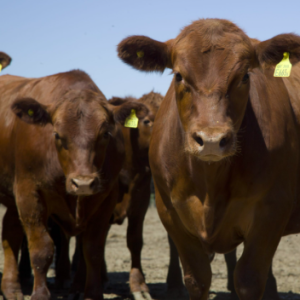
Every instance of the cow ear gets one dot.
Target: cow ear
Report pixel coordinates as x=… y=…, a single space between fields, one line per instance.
x=270 y=52
x=121 y=112
x=31 y=111
x=145 y=54
x=5 y=60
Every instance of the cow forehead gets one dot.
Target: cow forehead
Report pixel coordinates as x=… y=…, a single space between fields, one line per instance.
x=80 y=114
x=212 y=32
x=225 y=42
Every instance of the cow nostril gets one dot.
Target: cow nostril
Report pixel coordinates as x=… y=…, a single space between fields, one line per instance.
x=199 y=140
x=93 y=184
x=74 y=184
x=223 y=142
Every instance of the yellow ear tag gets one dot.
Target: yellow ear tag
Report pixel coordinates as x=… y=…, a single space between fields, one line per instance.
x=30 y=112
x=283 y=69
x=0 y=67
x=140 y=54
x=132 y=121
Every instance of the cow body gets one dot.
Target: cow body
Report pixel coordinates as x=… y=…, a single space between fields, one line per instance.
x=60 y=157
x=224 y=152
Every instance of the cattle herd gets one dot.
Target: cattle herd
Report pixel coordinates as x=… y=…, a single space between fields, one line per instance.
x=223 y=147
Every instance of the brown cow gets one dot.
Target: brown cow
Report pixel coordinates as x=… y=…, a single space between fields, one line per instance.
x=5 y=60
x=134 y=187
x=224 y=151
x=134 y=192
x=61 y=151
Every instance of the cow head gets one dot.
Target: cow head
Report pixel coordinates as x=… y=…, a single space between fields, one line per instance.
x=5 y=60
x=212 y=61
x=83 y=125
x=152 y=101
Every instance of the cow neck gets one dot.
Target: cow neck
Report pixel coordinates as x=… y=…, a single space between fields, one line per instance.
x=139 y=157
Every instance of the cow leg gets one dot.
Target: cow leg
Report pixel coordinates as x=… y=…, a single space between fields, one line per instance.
x=271 y=287
x=196 y=266
x=79 y=268
x=230 y=259
x=174 y=277
x=140 y=198
x=33 y=214
x=62 y=260
x=93 y=241
x=12 y=235
x=195 y=262
x=252 y=269
x=24 y=264
x=271 y=292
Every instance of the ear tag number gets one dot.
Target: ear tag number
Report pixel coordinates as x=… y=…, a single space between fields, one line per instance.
x=30 y=112
x=132 y=120
x=0 y=67
x=283 y=69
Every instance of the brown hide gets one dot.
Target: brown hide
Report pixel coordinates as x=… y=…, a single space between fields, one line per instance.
x=224 y=151
x=61 y=150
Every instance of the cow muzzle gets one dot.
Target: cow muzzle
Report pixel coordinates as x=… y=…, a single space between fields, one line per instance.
x=84 y=185
x=212 y=144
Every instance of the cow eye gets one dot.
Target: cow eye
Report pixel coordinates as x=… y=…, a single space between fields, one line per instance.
x=245 y=78
x=178 y=77
x=146 y=122
x=56 y=135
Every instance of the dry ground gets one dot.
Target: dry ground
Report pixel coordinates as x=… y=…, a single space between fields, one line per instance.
x=155 y=257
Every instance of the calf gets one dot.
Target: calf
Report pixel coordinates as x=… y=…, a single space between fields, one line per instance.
x=224 y=152
x=61 y=152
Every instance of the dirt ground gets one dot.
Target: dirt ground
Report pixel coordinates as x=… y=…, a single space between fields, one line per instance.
x=155 y=258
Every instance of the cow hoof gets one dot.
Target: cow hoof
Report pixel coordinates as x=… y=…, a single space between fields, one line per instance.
x=141 y=296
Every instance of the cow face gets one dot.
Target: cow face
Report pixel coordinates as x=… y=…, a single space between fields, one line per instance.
x=83 y=125
x=212 y=62
x=142 y=135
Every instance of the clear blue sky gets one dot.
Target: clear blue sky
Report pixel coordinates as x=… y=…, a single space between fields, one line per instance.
x=46 y=37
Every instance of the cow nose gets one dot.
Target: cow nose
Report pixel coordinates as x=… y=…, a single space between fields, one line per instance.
x=213 y=143
x=84 y=185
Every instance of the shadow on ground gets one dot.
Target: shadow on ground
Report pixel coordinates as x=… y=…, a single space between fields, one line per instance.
x=118 y=289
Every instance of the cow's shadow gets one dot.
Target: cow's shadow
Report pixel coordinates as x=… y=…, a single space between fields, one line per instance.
x=118 y=285
x=118 y=289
